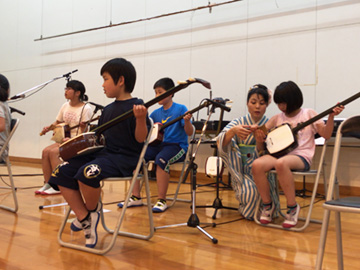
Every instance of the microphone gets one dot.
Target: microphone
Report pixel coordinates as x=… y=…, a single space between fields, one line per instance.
x=17 y=96
x=216 y=103
x=68 y=74
x=16 y=110
x=98 y=107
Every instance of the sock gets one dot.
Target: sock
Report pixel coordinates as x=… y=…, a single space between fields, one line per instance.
x=136 y=197
x=162 y=200
x=291 y=208
x=267 y=206
x=87 y=216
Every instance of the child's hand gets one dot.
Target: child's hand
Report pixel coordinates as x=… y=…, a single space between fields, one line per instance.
x=65 y=139
x=140 y=111
x=45 y=130
x=187 y=117
x=337 y=110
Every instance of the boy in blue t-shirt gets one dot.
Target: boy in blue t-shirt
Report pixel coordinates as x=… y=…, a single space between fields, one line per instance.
x=172 y=149
x=79 y=178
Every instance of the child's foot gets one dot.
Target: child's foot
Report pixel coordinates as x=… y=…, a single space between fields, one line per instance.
x=43 y=188
x=291 y=217
x=89 y=226
x=160 y=206
x=133 y=201
x=50 y=191
x=266 y=213
x=76 y=224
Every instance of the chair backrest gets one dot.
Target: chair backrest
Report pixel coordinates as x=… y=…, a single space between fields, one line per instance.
x=13 y=126
x=348 y=128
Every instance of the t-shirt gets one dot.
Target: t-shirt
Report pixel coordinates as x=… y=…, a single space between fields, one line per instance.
x=5 y=113
x=120 y=138
x=174 y=133
x=72 y=116
x=306 y=136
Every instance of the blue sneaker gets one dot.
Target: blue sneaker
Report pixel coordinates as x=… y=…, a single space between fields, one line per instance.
x=90 y=229
x=76 y=224
x=133 y=201
x=160 y=206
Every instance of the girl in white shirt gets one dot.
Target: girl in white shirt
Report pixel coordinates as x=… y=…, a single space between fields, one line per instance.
x=74 y=112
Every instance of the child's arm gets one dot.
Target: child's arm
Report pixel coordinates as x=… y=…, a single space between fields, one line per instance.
x=140 y=112
x=2 y=124
x=188 y=126
x=260 y=140
x=325 y=131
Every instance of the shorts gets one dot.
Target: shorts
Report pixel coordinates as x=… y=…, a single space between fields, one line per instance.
x=306 y=164
x=90 y=170
x=165 y=154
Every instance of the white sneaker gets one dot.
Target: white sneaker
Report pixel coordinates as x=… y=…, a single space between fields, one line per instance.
x=133 y=201
x=291 y=217
x=160 y=206
x=76 y=224
x=50 y=191
x=266 y=214
x=90 y=229
x=43 y=188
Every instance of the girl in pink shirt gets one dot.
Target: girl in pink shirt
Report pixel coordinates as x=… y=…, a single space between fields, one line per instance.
x=289 y=100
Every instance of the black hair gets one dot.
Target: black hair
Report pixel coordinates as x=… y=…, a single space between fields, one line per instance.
x=118 y=67
x=289 y=93
x=78 y=86
x=4 y=88
x=259 y=89
x=165 y=83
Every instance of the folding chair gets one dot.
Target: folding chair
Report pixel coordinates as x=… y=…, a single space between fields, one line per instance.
x=13 y=126
x=184 y=164
x=333 y=202
x=116 y=231
x=317 y=173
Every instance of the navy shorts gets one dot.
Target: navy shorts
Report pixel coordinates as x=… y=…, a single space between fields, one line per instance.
x=89 y=170
x=165 y=154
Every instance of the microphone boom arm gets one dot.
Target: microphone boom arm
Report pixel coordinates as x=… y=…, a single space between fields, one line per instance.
x=22 y=94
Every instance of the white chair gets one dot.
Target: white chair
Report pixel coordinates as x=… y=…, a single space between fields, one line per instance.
x=116 y=231
x=14 y=125
x=333 y=202
x=320 y=171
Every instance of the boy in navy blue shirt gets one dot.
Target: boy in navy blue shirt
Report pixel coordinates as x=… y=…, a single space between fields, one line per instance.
x=79 y=178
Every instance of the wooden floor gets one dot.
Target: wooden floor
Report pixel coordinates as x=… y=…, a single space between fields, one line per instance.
x=29 y=238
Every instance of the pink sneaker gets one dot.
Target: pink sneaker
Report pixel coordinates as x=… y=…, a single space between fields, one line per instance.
x=43 y=188
x=266 y=214
x=291 y=217
x=50 y=191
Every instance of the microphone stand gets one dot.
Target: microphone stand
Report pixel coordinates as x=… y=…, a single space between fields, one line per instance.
x=217 y=204
x=194 y=220
x=22 y=94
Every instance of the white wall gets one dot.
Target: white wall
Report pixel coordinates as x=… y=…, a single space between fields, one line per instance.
x=314 y=43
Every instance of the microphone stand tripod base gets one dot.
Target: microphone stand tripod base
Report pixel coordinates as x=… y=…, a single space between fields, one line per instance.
x=193 y=220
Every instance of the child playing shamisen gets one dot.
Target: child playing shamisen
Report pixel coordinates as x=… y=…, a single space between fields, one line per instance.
x=172 y=149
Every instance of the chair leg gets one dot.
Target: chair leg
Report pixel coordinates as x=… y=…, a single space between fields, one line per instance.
x=339 y=240
x=181 y=180
x=322 y=241
x=13 y=190
x=116 y=231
